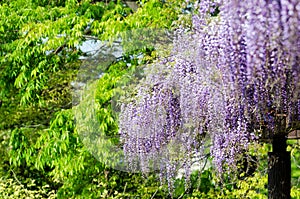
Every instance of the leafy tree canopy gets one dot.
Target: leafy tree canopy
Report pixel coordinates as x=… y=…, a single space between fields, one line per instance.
x=39 y=51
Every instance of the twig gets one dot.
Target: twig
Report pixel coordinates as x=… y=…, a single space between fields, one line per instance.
x=90 y=37
x=16 y=177
x=181 y=195
x=124 y=188
x=154 y=194
x=201 y=171
x=60 y=48
x=32 y=126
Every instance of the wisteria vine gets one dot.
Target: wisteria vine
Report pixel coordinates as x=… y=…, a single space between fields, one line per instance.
x=225 y=79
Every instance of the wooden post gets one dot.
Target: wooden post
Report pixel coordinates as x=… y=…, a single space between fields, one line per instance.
x=279 y=170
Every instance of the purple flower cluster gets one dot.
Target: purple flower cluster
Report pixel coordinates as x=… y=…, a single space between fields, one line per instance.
x=150 y=121
x=258 y=58
x=227 y=78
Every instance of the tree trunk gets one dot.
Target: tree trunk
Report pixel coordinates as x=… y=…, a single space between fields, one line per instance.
x=279 y=170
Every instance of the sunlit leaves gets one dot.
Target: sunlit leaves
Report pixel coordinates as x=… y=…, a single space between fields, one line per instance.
x=38 y=55
x=38 y=35
x=33 y=34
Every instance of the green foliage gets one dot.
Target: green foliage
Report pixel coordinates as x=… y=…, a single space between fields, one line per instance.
x=152 y=14
x=294 y=148
x=11 y=189
x=43 y=156
x=37 y=41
